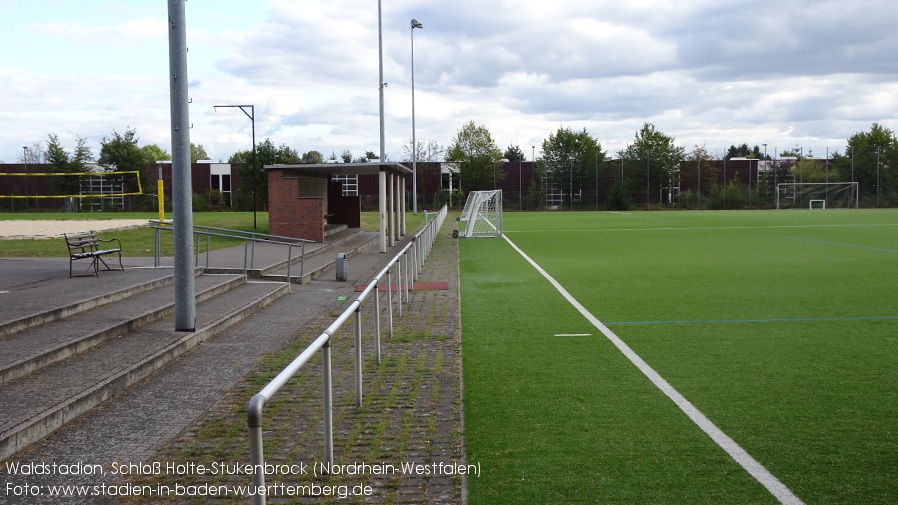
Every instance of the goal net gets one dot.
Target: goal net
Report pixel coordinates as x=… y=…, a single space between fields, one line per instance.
x=482 y=216
x=817 y=195
x=94 y=189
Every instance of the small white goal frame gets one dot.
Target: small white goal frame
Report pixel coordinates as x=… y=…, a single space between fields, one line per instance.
x=803 y=187
x=482 y=216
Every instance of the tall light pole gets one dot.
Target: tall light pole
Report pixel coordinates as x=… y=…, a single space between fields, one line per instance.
x=182 y=189
x=380 y=56
x=415 y=24
x=252 y=117
x=877 y=177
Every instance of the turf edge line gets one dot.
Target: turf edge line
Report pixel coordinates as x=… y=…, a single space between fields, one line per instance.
x=751 y=465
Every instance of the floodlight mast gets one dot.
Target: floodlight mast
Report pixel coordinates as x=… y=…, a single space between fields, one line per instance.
x=182 y=191
x=415 y=24
x=252 y=116
x=380 y=55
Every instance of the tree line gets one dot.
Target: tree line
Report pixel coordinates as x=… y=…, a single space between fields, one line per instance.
x=573 y=163
x=570 y=160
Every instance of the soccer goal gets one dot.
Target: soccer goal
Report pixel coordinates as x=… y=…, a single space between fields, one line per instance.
x=817 y=195
x=482 y=216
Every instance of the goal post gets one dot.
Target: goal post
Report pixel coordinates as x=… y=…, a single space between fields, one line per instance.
x=89 y=184
x=817 y=195
x=482 y=215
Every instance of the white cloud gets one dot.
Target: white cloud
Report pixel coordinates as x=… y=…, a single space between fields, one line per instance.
x=783 y=73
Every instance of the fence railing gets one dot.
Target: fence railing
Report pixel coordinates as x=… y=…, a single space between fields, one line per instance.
x=249 y=244
x=410 y=259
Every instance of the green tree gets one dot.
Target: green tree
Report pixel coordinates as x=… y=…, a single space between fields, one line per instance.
x=121 y=153
x=655 y=160
x=744 y=151
x=571 y=160
x=60 y=161
x=513 y=153
x=197 y=153
x=312 y=157
x=859 y=164
x=698 y=174
x=476 y=153
x=81 y=156
x=252 y=176
x=368 y=157
x=55 y=155
x=155 y=153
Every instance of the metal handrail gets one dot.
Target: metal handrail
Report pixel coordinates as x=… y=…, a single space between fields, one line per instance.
x=248 y=253
x=252 y=234
x=416 y=250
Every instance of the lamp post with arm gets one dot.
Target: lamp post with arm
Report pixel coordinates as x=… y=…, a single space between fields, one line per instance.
x=252 y=117
x=414 y=24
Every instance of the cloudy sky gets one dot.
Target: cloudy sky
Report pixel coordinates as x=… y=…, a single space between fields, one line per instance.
x=786 y=73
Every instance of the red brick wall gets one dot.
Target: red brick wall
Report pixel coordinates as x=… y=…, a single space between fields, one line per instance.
x=289 y=215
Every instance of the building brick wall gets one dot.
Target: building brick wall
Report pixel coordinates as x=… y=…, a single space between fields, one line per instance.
x=289 y=215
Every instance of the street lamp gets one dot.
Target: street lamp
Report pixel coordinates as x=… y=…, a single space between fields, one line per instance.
x=381 y=83
x=252 y=116
x=415 y=24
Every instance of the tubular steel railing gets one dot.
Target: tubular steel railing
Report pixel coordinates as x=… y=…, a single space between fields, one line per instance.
x=249 y=245
x=410 y=259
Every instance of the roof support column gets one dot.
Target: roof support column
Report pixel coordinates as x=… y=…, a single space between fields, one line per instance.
x=402 y=226
x=382 y=208
x=391 y=206
x=397 y=204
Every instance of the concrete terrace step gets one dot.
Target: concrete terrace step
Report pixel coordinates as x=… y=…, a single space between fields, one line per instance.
x=38 y=403
x=77 y=295
x=323 y=261
x=331 y=229
x=33 y=348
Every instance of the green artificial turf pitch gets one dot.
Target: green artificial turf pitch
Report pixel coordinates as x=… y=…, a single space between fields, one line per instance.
x=780 y=326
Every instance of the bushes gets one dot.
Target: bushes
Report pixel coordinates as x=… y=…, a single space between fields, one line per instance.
x=212 y=201
x=620 y=197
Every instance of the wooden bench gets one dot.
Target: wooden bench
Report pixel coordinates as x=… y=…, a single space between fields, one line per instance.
x=86 y=246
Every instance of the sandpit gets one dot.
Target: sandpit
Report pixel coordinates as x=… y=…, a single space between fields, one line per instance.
x=22 y=228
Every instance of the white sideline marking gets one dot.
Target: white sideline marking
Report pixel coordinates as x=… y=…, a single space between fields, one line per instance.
x=573 y=334
x=751 y=465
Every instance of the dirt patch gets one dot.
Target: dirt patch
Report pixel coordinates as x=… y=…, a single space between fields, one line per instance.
x=22 y=228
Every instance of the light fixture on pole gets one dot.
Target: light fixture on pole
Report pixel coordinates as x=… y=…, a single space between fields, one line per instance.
x=415 y=24
x=252 y=117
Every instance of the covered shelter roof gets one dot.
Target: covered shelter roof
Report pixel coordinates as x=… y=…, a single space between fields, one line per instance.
x=391 y=196
x=372 y=168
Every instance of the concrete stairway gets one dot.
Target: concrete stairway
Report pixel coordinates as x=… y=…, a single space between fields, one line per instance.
x=60 y=362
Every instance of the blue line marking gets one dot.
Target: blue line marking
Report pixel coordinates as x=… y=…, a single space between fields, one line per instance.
x=742 y=321
x=845 y=245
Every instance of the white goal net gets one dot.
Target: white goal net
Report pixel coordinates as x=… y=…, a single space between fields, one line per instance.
x=817 y=195
x=482 y=216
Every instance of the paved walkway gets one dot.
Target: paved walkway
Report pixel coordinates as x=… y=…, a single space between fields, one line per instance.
x=192 y=412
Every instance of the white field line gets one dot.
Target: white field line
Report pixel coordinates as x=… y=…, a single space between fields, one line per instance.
x=700 y=228
x=752 y=466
